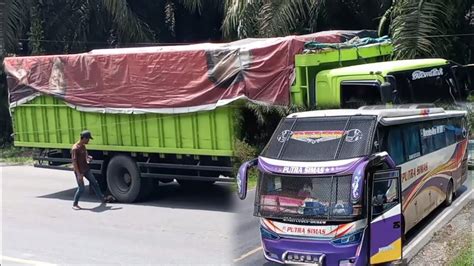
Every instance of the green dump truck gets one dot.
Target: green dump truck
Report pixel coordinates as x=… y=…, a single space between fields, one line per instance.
x=160 y=114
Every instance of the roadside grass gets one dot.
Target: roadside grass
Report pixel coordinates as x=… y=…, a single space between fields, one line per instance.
x=16 y=155
x=252 y=180
x=465 y=257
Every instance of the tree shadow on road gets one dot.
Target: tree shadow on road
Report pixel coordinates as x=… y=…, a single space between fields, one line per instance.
x=217 y=197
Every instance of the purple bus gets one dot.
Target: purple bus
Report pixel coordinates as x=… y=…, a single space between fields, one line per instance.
x=341 y=187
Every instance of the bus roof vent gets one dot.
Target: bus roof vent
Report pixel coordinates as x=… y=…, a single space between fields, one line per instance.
x=398 y=106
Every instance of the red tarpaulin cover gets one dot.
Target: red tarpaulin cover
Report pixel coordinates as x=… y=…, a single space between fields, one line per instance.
x=165 y=79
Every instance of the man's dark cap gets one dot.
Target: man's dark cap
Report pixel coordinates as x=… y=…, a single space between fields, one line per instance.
x=86 y=134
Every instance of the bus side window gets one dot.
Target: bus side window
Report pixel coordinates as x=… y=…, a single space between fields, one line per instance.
x=439 y=138
x=459 y=124
x=385 y=196
x=427 y=139
x=411 y=141
x=450 y=131
x=394 y=145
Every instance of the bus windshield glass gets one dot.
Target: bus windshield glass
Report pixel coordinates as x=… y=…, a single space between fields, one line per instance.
x=322 y=198
x=321 y=138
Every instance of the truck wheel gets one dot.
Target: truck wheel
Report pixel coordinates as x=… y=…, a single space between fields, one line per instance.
x=124 y=181
x=449 y=194
x=189 y=184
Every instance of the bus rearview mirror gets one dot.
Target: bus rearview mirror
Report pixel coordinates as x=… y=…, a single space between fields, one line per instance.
x=242 y=178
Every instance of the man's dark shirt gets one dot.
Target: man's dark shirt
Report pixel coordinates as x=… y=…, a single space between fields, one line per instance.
x=79 y=155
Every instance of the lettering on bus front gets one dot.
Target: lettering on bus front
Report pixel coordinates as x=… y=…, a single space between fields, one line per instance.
x=304 y=230
x=413 y=172
x=307 y=170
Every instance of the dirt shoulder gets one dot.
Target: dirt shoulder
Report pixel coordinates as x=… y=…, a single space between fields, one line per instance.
x=449 y=242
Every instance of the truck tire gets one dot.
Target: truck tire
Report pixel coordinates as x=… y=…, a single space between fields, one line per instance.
x=124 y=181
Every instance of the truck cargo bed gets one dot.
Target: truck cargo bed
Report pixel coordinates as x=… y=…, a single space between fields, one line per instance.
x=47 y=122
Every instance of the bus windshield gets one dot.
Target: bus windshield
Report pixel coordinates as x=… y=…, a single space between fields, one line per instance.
x=323 y=198
x=321 y=138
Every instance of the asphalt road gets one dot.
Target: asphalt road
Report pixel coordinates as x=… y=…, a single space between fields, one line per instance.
x=174 y=227
x=248 y=250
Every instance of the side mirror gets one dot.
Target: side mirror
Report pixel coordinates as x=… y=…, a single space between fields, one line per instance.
x=387 y=91
x=242 y=177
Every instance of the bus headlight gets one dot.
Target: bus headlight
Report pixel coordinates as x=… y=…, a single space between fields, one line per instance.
x=267 y=234
x=348 y=262
x=348 y=239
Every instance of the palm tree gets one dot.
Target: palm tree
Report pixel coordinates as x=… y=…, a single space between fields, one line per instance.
x=266 y=18
x=424 y=28
x=71 y=24
x=76 y=25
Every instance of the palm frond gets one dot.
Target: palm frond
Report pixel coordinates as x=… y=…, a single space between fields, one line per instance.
x=279 y=18
x=193 y=5
x=129 y=26
x=266 y=19
x=248 y=23
x=316 y=9
x=233 y=15
x=270 y=18
x=413 y=25
x=17 y=19
x=170 y=19
x=384 y=23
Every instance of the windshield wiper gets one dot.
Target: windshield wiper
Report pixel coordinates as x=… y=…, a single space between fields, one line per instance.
x=284 y=143
x=338 y=149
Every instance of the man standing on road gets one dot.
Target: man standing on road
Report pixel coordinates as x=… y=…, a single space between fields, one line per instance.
x=80 y=162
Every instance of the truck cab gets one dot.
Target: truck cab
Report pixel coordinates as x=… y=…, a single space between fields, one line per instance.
x=397 y=82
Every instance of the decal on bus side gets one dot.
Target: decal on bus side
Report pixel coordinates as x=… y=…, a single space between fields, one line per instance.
x=318 y=136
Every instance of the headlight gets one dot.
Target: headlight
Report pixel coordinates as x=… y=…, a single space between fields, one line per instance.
x=348 y=239
x=268 y=234
x=349 y=262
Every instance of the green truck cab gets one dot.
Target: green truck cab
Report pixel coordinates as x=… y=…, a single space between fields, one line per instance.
x=402 y=81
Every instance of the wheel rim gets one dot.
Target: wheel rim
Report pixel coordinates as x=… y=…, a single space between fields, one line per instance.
x=123 y=180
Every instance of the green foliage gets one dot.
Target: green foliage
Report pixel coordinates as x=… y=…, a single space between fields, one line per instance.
x=465 y=257
x=244 y=152
x=10 y=154
x=128 y=25
x=470 y=113
x=418 y=28
x=16 y=22
x=414 y=21
x=36 y=33
x=260 y=18
x=269 y=18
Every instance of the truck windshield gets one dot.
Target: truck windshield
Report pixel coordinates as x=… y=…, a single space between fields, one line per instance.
x=428 y=85
x=357 y=94
x=321 y=138
x=323 y=198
